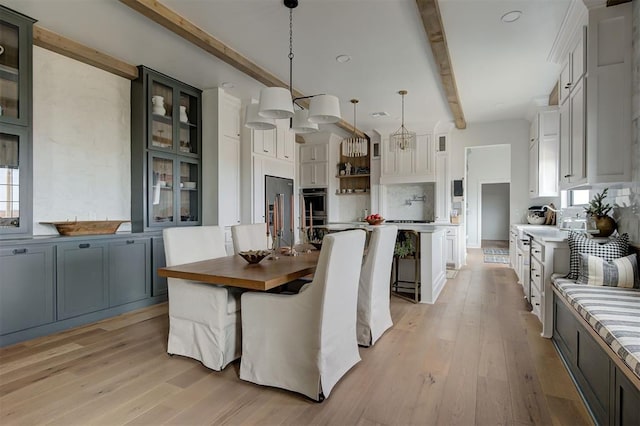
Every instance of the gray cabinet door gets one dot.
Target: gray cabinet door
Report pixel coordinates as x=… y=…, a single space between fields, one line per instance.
x=26 y=287
x=159 y=283
x=129 y=275
x=82 y=278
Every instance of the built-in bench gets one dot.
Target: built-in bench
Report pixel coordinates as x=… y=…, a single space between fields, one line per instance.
x=597 y=333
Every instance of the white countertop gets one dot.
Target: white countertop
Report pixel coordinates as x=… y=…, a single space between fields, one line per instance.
x=418 y=227
x=553 y=235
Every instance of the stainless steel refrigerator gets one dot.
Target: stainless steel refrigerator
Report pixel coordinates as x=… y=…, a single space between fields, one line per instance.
x=284 y=188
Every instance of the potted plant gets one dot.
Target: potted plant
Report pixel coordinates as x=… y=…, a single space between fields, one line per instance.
x=598 y=209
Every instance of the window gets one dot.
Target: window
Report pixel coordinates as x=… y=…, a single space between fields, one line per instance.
x=573 y=198
x=579 y=197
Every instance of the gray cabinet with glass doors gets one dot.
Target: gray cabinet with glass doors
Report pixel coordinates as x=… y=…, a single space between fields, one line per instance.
x=16 y=70
x=165 y=152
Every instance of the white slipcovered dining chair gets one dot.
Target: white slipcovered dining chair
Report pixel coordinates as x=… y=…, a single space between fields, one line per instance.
x=249 y=237
x=306 y=342
x=374 y=314
x=204 y=319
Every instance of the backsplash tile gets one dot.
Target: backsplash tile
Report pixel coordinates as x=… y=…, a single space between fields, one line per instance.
x=396 y=201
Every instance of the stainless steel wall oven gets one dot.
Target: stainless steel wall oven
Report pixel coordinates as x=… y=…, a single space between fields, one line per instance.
x=315 y=199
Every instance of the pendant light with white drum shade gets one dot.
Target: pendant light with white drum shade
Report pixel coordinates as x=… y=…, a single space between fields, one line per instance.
x=324 y=109
x=254 y=121
x=277 y=103
x=301 y=123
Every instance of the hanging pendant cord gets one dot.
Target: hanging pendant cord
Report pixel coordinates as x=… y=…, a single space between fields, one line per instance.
x=402 y=110
x=291 y=52
x=354 y=120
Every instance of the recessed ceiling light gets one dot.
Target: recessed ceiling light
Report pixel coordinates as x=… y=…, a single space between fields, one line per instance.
x=379 y=114
x=227 y=85
x=512 y=16
x=343 y=58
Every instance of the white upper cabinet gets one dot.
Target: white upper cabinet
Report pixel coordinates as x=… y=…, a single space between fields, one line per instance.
x=410 y=165
x=285 y=141
x=314 y=152
x=277 y=143
x=573 y=68
x=544 y=154
x=221 y=157
x=314 y=165
x=264 y=142
x=595 y=112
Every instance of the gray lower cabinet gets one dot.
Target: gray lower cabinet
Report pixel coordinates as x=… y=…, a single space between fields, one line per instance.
x=627 y=402
x=610 y=396
x=82 y=278
x=159 y=283
x=26 y=287
x=129 y=275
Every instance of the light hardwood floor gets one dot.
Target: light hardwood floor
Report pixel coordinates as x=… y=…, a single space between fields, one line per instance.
x=474 y=357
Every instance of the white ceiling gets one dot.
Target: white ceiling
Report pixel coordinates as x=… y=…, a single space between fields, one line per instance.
x=499 y=67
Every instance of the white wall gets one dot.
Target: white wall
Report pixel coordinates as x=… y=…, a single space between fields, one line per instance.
x=495 y=211
x=81 y=142
x=514 y=133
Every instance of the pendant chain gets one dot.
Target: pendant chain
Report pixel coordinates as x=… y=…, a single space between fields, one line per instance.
x=291 y=51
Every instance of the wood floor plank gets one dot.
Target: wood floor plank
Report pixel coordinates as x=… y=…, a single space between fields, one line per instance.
x=473 y=357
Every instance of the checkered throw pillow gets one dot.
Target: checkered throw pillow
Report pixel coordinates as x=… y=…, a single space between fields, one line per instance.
x=578 y=243
x=621 y=272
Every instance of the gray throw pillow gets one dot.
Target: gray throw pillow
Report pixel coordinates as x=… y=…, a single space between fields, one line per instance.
x=578 y=243
x=621 y=272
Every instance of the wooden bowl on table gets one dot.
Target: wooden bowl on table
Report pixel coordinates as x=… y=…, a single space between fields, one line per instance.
x=254 y=257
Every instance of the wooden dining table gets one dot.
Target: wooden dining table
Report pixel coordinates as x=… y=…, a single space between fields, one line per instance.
x=234 y=271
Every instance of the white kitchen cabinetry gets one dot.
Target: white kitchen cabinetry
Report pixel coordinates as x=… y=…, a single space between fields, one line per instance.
x=547 y=257
x=544 y=154
x=313 y=175
x=455 y=246
x=221 y=154
x=285 y=141
x=314 y=153
x=595 y=117
x=442 y=188
x=264 y=142
x=573 y=67
x=408 y=166
x=572 y=139
x=314 y=171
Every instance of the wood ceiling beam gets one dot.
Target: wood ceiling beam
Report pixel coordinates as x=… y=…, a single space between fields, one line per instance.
x=72 y=49
x=432 y=22
x=162 y=15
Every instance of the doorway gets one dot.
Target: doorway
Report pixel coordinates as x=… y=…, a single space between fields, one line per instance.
x=494 y=216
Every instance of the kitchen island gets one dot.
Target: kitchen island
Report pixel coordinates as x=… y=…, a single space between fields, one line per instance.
x=432 y=256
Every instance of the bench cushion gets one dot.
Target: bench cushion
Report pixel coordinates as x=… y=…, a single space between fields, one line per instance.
x=613 y=312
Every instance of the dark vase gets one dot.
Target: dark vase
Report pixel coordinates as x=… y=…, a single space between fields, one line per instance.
x=605 y=224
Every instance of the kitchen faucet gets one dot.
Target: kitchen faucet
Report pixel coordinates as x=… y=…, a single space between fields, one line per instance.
x=416 y=199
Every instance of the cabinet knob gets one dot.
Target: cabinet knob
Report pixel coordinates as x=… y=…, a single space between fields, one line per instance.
x=20 y=251
x=130 y=241
x=568 y=85
x=567 y=176
x=538 y=275
x=84 y=245
x=536 y=251
x=537 y=304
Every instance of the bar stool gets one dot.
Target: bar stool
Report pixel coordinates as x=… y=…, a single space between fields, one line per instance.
x=396 y=284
